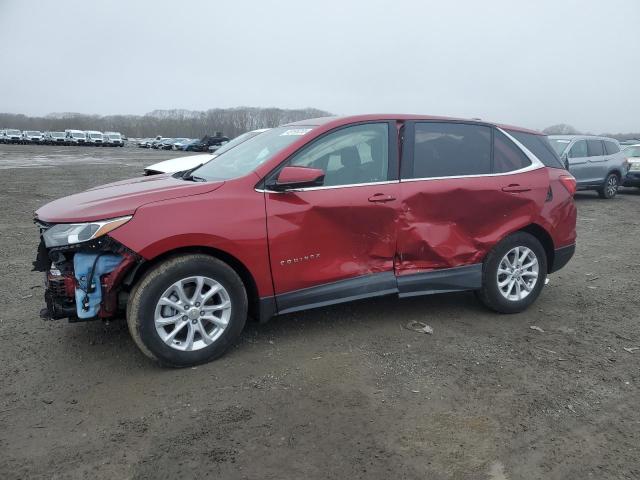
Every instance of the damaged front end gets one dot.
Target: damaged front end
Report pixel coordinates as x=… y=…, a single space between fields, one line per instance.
x=84 y=280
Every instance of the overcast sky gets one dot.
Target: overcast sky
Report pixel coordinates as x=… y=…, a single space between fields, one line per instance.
x=533 y=65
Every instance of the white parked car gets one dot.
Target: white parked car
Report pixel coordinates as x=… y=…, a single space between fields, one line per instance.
x=32 y=136
x=94 y=138
x=75 y=137
x=181 y=164
x=113 y=139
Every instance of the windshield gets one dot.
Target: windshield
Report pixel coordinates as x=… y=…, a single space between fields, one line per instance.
x=114 y=136
x=13 y=132
x=633 y=151
x=78 y=135
x=57 y=134
x=95 y=135
x=32 y=132
x=559 y=144
x=250 y=154
x=236 y=141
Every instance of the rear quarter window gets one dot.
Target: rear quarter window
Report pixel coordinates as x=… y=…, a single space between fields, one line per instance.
x=538 y=145
x=507 y=157
x=611 y=147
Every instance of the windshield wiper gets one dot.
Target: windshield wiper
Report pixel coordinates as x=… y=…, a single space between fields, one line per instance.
x=186 y=175
x=194 y=178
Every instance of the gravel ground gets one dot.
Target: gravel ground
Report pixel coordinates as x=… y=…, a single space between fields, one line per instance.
x=340 y=392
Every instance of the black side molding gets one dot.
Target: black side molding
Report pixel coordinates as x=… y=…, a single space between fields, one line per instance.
x=467 y=277
x=561 y=257
x=338 y=292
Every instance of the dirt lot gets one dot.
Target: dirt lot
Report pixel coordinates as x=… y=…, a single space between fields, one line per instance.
x=341 y=392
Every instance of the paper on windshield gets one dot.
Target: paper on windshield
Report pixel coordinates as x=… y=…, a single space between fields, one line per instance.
x=295 y=131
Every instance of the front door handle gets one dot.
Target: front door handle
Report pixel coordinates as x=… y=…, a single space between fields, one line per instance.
x=381 y=198
x=515 y=188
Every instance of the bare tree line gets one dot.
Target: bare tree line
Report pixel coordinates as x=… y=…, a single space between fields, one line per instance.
x=196 y=124
x=564 y=129
x=169 y=123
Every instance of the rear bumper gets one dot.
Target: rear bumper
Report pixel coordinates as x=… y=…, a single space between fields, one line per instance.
x=561 y=257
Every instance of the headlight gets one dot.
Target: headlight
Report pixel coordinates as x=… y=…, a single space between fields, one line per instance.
x=70 y=233
x=634 y=166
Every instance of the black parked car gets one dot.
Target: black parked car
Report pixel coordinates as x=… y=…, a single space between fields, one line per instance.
x=205 y=142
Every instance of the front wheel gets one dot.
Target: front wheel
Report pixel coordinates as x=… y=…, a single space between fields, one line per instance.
x=610 y=187
x=513 y=274
x=187 y=310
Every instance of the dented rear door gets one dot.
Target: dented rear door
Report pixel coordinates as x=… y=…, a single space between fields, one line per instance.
x=455 y=210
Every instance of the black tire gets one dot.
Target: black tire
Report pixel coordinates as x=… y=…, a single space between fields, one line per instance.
x=490 y=294
x=147 y=292
x=610 y=187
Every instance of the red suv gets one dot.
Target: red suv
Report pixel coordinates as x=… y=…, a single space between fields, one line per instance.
x=310 y=214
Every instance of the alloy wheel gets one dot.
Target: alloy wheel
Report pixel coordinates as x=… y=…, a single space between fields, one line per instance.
x=517 y=273
x=612 y=186
x=192 y=313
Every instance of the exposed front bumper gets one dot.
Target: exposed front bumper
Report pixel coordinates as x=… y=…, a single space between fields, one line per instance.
x=561 y=257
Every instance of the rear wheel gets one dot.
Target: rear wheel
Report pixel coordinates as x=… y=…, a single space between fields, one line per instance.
x=513 y=274
x=187 y=310
x=610 y=187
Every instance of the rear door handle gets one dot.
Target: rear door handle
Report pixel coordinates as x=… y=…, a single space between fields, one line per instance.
x=515 y=188
x=381 y=198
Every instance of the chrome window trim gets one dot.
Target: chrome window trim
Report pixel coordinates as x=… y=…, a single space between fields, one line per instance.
x=535 y=165
x=329 y=187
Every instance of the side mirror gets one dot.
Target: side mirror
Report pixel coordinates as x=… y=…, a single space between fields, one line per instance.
x=290 y=178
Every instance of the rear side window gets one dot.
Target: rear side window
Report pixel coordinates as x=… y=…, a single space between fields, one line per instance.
x=595 y=148
x=539 y=145
x=507 y=157
x=450 y=149
x=579 y=149
x=611 y=147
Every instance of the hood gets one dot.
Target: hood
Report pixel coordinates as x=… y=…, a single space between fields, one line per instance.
x=179 y=164
x=120 y=198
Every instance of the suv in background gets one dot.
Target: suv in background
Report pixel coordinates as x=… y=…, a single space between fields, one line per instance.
x=306 y=215
x=205 y=142
x=595 y=162
x=632 y=156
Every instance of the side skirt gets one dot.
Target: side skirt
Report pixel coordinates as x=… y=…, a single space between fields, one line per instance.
x=468 y=277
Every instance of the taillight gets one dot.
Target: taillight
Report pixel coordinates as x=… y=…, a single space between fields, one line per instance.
x=568 y=182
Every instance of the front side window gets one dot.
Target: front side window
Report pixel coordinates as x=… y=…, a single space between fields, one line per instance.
x=507 y=157
x=595 y=148
x=578 y=150
x=351 y=155
x=450 y=149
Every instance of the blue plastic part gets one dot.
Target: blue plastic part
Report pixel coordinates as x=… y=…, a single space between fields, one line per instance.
x=88 y=302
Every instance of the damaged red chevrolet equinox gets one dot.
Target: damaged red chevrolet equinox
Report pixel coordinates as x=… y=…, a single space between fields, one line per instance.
x=306 y=215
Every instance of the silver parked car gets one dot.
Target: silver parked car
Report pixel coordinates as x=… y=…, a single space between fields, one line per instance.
x=595 y=162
